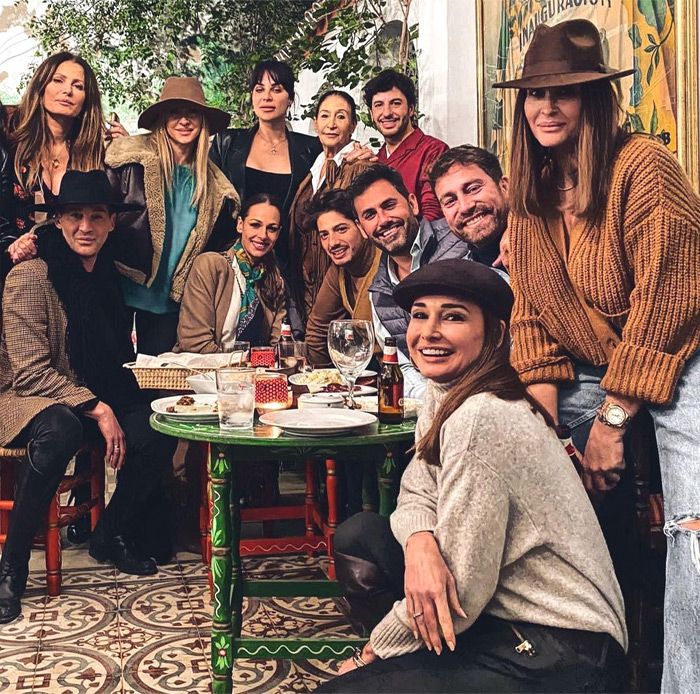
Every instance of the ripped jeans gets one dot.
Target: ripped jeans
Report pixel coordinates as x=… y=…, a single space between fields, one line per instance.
x=677 y=428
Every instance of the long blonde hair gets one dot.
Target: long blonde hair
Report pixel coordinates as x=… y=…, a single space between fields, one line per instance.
x=532 y=188
x=30 y=138
x=198 y=162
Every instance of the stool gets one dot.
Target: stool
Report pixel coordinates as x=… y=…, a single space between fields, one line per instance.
x=58 y=516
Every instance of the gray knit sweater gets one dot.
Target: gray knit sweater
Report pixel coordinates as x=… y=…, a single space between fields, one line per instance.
x=513 y=523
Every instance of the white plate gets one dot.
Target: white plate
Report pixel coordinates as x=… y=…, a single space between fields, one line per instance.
x=411 y=406
x=160 y=407
x=329 y=422
x=204 y=384
x=326 y=376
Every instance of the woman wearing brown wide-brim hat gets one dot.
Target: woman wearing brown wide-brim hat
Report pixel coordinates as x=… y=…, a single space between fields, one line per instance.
x=187 y=204
x=605 y=268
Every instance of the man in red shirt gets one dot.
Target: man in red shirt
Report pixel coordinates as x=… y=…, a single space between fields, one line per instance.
x=391 y=100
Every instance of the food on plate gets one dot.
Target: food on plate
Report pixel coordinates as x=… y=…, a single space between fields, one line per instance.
x=338 y=388
x=188 y=404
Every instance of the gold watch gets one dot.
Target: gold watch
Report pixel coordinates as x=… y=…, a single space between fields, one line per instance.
x=613 y=415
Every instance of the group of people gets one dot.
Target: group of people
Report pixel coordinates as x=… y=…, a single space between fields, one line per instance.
x=564 y=294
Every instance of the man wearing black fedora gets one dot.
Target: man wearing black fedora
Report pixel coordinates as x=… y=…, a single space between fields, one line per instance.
x=65 y=337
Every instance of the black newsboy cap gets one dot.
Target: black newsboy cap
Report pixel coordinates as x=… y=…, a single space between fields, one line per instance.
x=458 y=277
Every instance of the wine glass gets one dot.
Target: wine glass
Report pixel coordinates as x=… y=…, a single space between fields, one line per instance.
x=350 y=345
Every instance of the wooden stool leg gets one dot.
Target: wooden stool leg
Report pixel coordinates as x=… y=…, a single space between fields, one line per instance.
x=203 y=455
x=7 y=490
x=332 y=492
x=309 y=502
x=53 y=548
x=97 y=485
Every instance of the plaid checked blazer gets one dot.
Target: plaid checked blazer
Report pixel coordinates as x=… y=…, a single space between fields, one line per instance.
x=34 y=368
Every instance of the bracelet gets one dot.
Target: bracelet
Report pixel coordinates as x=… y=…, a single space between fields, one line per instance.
x=357 y=658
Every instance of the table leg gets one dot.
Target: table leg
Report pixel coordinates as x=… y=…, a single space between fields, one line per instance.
x=332 y=522
x=221 y=630
x=387 y=487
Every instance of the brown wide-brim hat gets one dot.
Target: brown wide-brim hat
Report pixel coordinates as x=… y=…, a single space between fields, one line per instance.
x=564 y=54
x=185 y=90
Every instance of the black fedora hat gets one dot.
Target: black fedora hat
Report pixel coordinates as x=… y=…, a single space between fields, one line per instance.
x=565 y=54
x=461 y=278
x=86 y=188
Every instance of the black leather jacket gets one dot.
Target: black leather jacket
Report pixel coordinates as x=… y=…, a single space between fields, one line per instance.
x=8 y=232
x=231 y=147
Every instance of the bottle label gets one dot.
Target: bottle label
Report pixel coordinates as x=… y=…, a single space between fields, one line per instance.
x=391 y=355
x=392 y=397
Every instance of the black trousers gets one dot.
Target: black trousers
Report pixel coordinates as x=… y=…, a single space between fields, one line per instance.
x=155 y=332
x=484 y=659
x=52 y=439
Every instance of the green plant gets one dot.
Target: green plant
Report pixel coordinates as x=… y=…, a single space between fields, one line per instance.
x=134 y=46
x=353 y=47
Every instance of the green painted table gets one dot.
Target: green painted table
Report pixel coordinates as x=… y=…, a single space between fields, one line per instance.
x=228 y=449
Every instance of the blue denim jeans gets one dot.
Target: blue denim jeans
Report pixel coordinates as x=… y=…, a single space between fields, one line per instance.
x=677 y=428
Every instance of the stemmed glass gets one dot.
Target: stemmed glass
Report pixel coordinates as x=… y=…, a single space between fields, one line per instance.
x=350 y=345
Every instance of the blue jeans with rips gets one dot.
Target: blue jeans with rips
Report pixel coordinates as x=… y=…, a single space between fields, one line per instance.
x=677 y=428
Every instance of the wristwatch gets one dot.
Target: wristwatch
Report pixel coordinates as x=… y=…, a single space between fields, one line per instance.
x=613 y=415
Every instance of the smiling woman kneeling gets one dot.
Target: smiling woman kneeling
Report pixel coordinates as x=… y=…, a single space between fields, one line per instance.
x=494 y=539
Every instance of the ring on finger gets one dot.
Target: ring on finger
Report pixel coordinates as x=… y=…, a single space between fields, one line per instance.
x=417 y=614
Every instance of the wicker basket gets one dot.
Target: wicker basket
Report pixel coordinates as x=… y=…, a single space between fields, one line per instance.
x=163 y=377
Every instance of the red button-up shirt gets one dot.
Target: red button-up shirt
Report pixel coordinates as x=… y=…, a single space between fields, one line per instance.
x=412 y=159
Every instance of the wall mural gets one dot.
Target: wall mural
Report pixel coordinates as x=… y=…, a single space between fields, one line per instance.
x=656 y=37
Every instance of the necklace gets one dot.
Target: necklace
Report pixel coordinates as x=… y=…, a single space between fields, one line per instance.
x=270 y=144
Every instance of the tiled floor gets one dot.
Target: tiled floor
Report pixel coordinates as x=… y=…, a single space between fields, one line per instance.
x=109 y=632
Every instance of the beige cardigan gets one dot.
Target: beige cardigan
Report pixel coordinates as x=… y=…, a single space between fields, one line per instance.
x=211 y=304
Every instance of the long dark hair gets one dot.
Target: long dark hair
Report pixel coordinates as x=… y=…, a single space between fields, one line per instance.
x=31 y=135
x=272 y=276
x=532 y=187
x=491 y=372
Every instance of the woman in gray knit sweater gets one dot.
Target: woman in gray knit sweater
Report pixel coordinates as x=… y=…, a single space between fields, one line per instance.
x=495 y=549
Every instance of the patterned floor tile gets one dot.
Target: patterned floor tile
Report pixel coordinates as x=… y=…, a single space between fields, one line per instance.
x=162 y=605
x=94 y=575
x=17 y=667
x=78 y=615
x=24 y=632
x=76 y=669
x=307 y=617
x=174 y=663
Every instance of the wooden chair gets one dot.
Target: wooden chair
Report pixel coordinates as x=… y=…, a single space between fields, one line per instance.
x=58 y=515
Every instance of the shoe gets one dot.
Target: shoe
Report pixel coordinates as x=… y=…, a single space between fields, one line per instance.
x=11 y=589
x=79 y=532
x=120 y=554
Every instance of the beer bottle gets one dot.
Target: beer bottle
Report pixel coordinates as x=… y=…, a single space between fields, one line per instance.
x=390 y=385
x=285 y=347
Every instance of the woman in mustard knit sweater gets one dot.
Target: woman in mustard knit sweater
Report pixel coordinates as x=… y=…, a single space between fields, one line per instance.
x=605 y=269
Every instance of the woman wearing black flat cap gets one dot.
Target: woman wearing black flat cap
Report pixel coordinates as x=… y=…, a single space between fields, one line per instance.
x=66 y=334
x=605 y=269
x=495 y=547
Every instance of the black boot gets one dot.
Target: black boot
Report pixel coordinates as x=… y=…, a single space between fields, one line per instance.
x=367 y=594
x=12 y=583
x=32 y=495
x=120 y=552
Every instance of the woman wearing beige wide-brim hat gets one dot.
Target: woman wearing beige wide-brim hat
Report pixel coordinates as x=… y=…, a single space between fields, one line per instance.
x=605 y=268
x=188 y=206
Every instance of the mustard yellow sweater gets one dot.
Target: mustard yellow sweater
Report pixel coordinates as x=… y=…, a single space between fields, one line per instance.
x=640 y=267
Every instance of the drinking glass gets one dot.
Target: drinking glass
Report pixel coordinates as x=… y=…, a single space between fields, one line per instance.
x=350 y=345
x=239 y=354
x=271 y=392
x=293 y=355
x=263 y=356
x=236 y=398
